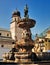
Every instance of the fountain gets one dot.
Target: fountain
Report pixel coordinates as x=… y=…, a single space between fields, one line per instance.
x=23 y=47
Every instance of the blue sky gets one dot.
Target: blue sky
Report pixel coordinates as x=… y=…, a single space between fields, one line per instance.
x=38 y=10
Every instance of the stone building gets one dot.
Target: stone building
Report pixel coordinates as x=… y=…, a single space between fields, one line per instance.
x=5 y=38
x=8 y=37
x=14 y=29
x=47 y=40
x=42 y=41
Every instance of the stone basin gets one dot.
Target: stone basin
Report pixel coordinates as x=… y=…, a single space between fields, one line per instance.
x=27 y=23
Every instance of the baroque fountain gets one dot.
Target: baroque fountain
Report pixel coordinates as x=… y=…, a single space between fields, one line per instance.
x=22 y=50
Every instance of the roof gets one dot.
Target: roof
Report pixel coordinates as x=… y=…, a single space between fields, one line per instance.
x=3 y=29
x=44 y=32
x=48 y=31
x=16 y=13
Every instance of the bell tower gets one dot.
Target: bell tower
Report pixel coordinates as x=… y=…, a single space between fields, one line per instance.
x=13 y=24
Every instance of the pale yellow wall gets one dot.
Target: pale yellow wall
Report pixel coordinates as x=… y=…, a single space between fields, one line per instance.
x=47 y=45
x=13 y=27
x=4 y=33
x=7 y=44
x=48 y=36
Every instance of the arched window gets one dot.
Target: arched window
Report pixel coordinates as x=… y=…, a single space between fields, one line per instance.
x=2 y=45
x=15 y=19
x=45 y=40
x=13 y=42
x=7 y=34
x=48 y=40
x=0 y=34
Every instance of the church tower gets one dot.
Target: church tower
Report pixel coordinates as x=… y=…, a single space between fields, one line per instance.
x=13 y=24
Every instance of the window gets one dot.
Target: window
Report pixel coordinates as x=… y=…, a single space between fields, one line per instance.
x=15 y=19
x=0 y=34
x=7 y=34
x=48 y=40
x=45 y=40
x=2 y=45
x=13 y=42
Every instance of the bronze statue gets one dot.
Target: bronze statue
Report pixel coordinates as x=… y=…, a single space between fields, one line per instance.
x=26 y=11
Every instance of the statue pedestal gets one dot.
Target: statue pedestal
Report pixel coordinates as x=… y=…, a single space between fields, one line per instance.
x=22 y=57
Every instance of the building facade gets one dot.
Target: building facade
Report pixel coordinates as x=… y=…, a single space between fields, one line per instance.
x=47 y=40
x=42 y=41
x=5 y=38
x=14 y=29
